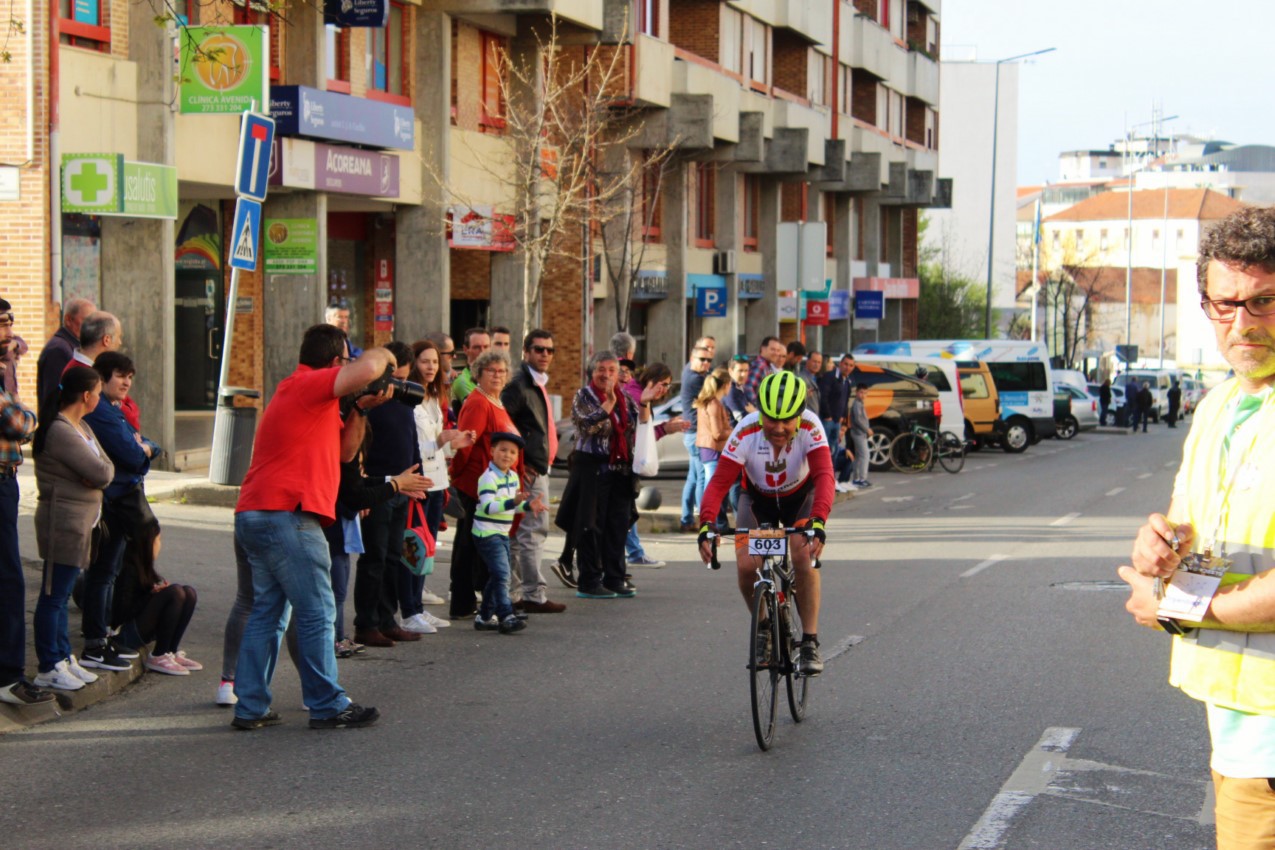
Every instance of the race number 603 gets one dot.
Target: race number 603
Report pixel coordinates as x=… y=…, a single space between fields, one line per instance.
x=767 y=546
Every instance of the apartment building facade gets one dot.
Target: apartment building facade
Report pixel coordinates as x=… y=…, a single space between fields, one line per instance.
x=778 y=113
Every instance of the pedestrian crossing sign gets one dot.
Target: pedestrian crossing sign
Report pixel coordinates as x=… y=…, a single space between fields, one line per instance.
x=245 y=235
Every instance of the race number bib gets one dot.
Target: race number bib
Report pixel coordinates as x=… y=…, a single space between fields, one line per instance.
x=767 y=542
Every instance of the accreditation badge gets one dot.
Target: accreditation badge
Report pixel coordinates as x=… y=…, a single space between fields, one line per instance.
x=1192 y=587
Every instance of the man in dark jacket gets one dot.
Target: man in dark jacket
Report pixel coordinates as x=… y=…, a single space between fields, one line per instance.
x=125 y=511
x=527 y=401
x=60 y=348
x=1175 y=404
x=1104 y=402
x=1145 y=401
x=834 y=401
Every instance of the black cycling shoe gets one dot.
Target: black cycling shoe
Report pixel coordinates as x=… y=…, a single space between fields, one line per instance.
x=809 y=661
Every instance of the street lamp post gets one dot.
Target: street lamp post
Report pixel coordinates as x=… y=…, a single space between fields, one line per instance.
x=991 y=224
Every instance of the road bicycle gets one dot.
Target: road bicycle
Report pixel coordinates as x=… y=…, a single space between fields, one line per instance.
x=916 y=450
x=775 y=630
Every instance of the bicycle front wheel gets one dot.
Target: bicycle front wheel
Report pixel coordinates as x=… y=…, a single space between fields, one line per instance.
x=951 y=453
x=798 y=686
x=763 y=666
x=910 y=453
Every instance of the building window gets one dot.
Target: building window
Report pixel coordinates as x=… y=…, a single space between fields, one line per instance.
x=1102 y=240
x=757 y=51
x=652 y=174
x=1080 y=239
x=337 y=58
x=817 y=78
x=752 y=211
x=705 y=184
x=492 y=117
x=731 y=42
x=257 y=13
x=84 y=23
x=843 y=89
x=1056 y=243
x=648 y=17
x=387 y=58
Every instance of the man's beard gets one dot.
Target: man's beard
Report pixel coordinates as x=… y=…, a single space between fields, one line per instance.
x=1249 y=364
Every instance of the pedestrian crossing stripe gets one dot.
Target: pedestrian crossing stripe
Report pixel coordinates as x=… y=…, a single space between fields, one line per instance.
x=246 y=246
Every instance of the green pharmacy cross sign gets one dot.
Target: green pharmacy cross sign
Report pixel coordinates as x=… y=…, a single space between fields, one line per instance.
x=104 y=184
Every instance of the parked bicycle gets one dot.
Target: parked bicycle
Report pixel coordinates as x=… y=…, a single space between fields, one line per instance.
x=916 y=450
x=775 y=631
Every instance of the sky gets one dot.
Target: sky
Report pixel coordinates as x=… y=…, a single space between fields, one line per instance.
x=1115 y=62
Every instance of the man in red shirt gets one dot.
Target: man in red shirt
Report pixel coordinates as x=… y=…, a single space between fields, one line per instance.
x=288 y=494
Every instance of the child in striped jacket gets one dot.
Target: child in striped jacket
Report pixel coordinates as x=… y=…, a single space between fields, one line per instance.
x=499 y=498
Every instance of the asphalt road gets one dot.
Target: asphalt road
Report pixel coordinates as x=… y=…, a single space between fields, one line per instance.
x=984 y=689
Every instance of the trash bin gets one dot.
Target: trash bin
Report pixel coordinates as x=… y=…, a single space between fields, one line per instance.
x=233 y=430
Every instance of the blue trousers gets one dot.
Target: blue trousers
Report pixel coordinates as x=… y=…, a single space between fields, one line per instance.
x=13 y=588
x=494 y=551
x=694 y=478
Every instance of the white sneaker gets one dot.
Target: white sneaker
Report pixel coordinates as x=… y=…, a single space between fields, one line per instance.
x=843 y=486
x=436 y=622
x=88 y=677
x=428 y=598
x=417 y=624
x=59 y=678
x=226 y=693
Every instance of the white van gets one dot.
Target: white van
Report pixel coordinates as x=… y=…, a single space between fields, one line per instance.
x=942 y=374
x=1159 y=379
x=1019 y=367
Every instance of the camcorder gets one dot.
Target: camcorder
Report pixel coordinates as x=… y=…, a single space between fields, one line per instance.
x=408 y=393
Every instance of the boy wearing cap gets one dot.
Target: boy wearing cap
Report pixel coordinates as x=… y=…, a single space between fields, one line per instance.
x=499 y=498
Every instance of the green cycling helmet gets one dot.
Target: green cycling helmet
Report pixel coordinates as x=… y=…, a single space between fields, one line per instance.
x=781 y=396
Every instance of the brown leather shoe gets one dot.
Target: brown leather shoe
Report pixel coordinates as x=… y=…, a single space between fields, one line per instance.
x=546 y=607
x=373 y=637
x=400 y=634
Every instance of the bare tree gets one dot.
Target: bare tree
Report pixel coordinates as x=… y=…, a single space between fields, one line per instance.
x=562 y=115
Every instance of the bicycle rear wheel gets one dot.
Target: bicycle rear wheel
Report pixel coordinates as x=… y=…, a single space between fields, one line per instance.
x=798 y=686
x=763 y=667
x=910 y=453
x=951 y=452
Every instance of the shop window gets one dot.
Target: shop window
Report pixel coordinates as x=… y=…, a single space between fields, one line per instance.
x=705 y=184
x=387 y=54
x=337 y=58
x=257 y=13
x=752 y=211
x=85 y=23
x=492 y=119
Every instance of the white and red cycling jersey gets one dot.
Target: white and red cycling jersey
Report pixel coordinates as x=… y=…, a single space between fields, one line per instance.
x=771 y=471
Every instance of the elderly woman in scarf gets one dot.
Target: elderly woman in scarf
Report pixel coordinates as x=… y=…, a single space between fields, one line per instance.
x=597 y=506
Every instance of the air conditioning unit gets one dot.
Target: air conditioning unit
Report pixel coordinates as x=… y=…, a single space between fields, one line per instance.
x=724 y=262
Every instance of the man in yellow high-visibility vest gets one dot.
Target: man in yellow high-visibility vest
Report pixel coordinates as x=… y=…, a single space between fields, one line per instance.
x=1222 y=509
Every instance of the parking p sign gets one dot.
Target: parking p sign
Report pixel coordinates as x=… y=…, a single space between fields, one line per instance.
x=710 y=302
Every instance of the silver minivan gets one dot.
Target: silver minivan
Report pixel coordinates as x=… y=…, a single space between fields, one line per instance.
x=1160 y=381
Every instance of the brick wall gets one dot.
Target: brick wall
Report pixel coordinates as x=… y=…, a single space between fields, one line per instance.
x=908 y=216
x=471 y=275
x=24 y=223
x=562 y=314
x=791 y=64
x=863 y=96
x=696 y=26
x=793 y=202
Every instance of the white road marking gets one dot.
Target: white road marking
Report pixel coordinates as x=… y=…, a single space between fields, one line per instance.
x=978 y=568
x=896 y=498
x=1144 y=475
x=963 y=498
x=1064 y=520
x=843 y=646
x=1029 y=779
x=961 y=507
x=1115 y=492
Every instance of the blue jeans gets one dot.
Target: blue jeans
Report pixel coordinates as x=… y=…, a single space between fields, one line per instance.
x=52 y=643
x=410 y=585
x=494 y=551
x=832 y=430
x=99 y=581
x=694 y=478
x=13 y=634
x=290 y=566
x=633 y=550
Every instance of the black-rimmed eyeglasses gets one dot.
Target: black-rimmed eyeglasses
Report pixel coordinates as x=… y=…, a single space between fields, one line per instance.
x=1221 y=309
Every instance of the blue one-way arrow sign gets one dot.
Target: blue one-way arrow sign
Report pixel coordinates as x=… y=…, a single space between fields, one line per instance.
x=253 y=170
x=245 y=235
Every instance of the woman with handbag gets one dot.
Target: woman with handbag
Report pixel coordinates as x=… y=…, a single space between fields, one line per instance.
x=438 y=444
x=71 y=471
x=597 y=506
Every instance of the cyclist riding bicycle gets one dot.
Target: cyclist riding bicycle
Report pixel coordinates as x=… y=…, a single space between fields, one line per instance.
x=783 y=454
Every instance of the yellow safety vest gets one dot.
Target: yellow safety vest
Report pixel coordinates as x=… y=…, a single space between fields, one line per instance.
x=1234 y=670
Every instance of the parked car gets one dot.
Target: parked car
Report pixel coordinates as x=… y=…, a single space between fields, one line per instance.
x=1159 y=380
x=1079 y=411
x=982 y=404
x=1192 y=394
x=941 y=373
x=894 y=400
x=1117 y=403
